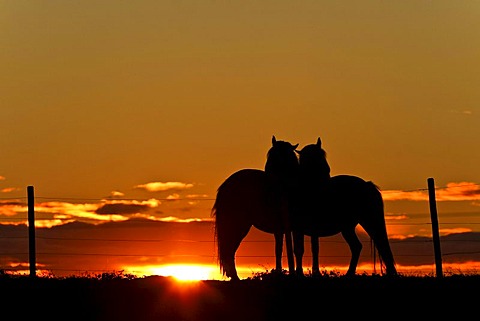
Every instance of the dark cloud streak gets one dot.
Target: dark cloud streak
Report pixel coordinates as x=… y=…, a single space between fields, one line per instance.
x=122 y=209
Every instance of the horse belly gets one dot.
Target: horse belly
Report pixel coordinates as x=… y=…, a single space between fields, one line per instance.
x=266 y=214
x=325 y=217
x=323 y=226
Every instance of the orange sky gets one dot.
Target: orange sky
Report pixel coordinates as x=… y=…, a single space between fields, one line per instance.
x=115 y=111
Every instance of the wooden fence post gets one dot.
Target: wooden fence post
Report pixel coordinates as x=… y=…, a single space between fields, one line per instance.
x=435 y=232
x=31 y=231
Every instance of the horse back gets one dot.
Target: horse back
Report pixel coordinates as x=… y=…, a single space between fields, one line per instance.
x=247 y=197
x=350 y=186
x=243 y=182
x=347 y=180
x=355 y=195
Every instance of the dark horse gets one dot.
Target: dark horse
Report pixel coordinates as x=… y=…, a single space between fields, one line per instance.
x=331 y=205
x=259 y=198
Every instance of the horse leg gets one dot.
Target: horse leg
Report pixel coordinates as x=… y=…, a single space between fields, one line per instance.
x=278 y=251
x=227 y=262
x=355 y=245
x=231 y=270
x=314 y=242
x=299 y=249
x=228 y=242
x=291 y=261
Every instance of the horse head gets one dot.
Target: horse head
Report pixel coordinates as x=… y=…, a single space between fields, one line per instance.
x=313 y=163
x=282 y=162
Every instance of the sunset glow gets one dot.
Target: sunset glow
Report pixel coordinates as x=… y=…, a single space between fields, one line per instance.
x=181 y=272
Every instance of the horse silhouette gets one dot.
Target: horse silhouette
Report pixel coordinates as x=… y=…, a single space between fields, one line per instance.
x=330 y=205
x=259 y=198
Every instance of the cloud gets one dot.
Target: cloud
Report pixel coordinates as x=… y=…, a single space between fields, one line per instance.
x=70 y=211
x=161 y=187
x=461 y=191
x=57 y=213
x=464 y=111
x=12 y=207
x=179 y=220
x=122 y=209
x=127 y=207
x=117 y=194
x=9 y=189
x=457 y=230
x=397 y=195
x=396 y=217
x=201 y=196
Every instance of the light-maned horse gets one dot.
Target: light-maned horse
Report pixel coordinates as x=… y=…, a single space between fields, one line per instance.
x=259 y=198
x=331 y=205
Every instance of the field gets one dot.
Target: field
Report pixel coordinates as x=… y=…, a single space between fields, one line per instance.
x=264 y=297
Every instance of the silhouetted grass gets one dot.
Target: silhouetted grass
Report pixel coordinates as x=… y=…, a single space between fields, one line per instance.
x=264 y=296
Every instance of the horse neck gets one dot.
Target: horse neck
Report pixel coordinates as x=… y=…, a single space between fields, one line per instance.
x=313 y=178
x=285 y=177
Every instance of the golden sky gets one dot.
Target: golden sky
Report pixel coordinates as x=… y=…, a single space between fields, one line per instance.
x=148 y=102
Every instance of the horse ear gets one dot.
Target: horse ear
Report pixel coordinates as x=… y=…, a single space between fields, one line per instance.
x=319 y=142
x=294 y=146
x=274 y=140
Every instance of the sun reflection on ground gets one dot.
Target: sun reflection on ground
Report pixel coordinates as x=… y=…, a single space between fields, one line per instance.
x=188 y=272
x=184 y=272
x=181 y=272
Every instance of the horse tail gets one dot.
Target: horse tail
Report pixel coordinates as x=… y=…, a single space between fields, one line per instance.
x=217 y=219
x=377 y=204
x=377 y=229
x=226 y=229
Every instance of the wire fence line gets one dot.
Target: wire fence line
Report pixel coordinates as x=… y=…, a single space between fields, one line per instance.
x=202 y=241
x=245 y=241
x=5 y=201
x=160 y=241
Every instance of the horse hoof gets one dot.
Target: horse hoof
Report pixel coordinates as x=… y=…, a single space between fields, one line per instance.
x=316 y=274
x=299 y=273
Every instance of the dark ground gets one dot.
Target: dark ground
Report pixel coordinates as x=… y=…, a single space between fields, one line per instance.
x=284 y=298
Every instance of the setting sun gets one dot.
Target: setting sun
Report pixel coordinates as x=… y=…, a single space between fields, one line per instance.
x=181 y=272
